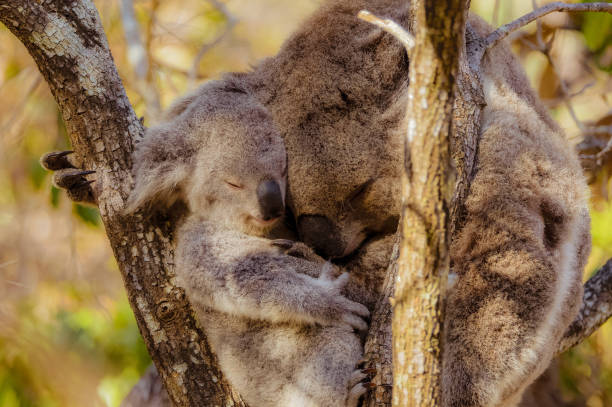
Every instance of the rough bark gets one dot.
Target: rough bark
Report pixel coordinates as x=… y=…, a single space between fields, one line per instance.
x=67 y=41
x=427 y=187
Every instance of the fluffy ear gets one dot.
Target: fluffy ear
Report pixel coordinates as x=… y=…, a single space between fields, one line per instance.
x=161 y=163
x=180 y=105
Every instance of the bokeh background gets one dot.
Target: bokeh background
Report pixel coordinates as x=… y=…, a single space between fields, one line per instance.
x=67 y=334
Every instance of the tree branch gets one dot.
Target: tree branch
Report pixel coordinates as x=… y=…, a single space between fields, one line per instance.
x=503 y=31
x=139 y=58
x=230 y=23
x=68 y=44
x=389 y=26
x=595 y=310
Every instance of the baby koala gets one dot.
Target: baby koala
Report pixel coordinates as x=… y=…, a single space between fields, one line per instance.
x=283 y=333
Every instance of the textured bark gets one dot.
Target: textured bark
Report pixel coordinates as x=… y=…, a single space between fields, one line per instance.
x=378 y=346
x=67 y=41
x=427 y=187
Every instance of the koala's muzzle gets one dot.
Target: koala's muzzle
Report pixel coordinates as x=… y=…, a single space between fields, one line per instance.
x=270 y=200
x=321 y=234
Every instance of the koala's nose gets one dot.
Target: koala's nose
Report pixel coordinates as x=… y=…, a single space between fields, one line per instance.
x=320 y=233
x=270 y=199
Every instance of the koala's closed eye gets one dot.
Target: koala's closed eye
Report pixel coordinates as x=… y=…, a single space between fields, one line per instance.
x=359 y=191
x=234 y=184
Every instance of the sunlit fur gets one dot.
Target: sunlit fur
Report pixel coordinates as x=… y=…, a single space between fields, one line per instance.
x=279 y=325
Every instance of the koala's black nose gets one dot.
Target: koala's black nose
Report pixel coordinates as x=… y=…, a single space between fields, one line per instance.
x=319 y=233
x=270 y=199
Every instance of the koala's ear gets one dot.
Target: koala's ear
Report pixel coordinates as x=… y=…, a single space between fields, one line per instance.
x=180 y=105
x=161 y=163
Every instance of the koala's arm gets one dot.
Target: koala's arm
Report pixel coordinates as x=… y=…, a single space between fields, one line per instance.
x=247 y=276
x=519 y=256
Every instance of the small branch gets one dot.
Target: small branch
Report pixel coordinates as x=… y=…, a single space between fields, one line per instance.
x=544 y=48
x=231 y=22
x=595 y=310
x=136 y=51
x=389 y=26
x=503 y=31
x=495 y=17
x=139 y=58
x=149 y=38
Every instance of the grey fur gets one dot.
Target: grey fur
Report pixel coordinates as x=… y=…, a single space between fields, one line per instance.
x=279 y=325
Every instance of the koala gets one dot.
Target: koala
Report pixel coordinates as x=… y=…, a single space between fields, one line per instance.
x=283 y=332
x=336 y=92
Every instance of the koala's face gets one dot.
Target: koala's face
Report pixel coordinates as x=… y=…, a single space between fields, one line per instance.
x=240 y=174
x=344 y=185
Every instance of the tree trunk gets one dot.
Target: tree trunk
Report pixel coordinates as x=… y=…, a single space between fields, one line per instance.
x=427 y=187
x=67 y=41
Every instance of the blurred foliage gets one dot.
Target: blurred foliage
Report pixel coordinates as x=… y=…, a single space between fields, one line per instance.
x=68 y=337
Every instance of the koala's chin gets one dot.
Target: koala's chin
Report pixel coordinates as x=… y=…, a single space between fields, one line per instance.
x=253 y=227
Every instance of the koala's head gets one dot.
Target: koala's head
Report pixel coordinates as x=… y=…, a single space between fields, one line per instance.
x=219 y=152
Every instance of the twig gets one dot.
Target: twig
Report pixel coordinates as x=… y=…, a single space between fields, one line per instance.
x=231 y=22
x=389 y=26
x=544 y=48
x=503 y=31
x=149 y=38
x=139 y=57
x=495 y=18
x=136 y=51
x=595 y=310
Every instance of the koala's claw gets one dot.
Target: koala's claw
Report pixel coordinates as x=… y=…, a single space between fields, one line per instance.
x=352 y=313
x=359 y=383
x=56 y=160
x=72 y=178
x=76 y=185
x=68 y=177
x=297 y=249
x=282 y=243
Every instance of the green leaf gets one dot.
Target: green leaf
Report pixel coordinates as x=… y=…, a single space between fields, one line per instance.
x=37 y=173
x=597 y=30
x=87 y=214
x=55 y=196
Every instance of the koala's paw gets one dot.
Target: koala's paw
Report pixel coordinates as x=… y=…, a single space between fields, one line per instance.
x=347 y=311
x=67 y=177
x=297 y=249
x=359 y=383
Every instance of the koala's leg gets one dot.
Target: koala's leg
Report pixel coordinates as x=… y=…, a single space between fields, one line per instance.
x=508 y=309
x=68 y=177
x=327 y=374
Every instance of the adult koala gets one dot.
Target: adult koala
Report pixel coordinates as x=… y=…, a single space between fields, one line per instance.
x=336 y=92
